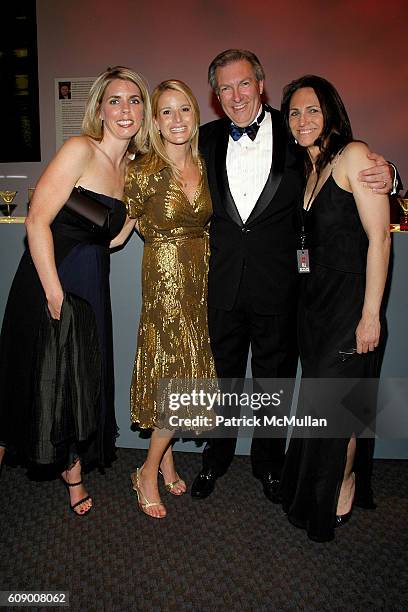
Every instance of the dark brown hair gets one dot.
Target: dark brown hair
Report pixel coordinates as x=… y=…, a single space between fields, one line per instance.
x=336 y=123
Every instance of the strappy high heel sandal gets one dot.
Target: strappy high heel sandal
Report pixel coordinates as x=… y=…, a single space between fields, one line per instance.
x=142 y=500
x=68 y=485
x=170 y=486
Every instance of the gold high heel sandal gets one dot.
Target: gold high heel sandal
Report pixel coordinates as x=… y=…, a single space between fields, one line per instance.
x=142 y=500
x=169 y=486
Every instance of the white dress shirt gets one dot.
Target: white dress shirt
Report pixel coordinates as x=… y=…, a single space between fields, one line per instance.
x=248 y=166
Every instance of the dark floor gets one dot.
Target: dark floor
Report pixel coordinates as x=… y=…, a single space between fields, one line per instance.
x=233 y=551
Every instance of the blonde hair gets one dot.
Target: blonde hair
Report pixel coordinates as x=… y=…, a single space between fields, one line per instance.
x=157 y=151
x=92 y=124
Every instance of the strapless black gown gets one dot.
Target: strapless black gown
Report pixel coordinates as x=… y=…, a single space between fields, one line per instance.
x=83 y=263
x=331 y=302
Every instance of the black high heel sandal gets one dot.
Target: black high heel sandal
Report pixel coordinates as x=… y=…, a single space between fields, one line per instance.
x=81 y=501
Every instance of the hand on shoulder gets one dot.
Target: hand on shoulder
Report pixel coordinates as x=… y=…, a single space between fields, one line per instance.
x=373 y=208
x=352 y=160
x=375 y=172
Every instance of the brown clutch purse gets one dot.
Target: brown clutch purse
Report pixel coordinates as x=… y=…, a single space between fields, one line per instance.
x=84 y=205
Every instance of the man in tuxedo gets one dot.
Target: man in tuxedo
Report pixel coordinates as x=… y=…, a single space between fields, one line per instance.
x=255 y=181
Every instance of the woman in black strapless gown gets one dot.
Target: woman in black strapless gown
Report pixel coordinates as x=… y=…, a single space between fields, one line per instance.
x=346 y=228
x=56 y=357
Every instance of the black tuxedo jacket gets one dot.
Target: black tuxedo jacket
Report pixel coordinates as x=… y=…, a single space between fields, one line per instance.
x=265 y=246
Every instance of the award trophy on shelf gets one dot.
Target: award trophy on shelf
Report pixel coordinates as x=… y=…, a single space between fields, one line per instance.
x=8 y=206
x=403 y=202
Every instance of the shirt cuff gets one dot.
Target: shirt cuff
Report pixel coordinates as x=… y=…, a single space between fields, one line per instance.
x=395 y=180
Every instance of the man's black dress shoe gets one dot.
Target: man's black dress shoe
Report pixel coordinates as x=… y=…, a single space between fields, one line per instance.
x=271 y=488
x=203 y=484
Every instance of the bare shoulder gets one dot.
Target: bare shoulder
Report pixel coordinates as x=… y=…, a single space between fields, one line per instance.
x=354 y=155
x=76 y=152
x=78 y=145
x=68 y=165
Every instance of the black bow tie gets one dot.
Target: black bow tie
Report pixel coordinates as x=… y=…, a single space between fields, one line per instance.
x=251 y=130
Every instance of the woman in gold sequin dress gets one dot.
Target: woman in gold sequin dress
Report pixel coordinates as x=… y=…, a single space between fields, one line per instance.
x=167 y=192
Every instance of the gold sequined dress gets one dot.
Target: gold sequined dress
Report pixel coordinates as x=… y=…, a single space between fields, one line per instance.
x=173 y=341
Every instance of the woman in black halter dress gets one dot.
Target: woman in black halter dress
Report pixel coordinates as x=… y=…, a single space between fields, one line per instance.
x=56 y=361
x=346 y=229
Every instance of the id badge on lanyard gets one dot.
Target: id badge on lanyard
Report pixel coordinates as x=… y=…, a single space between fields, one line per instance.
x=302 y=254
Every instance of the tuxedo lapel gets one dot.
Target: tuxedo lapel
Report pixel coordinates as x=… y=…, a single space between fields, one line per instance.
x=220 y=169
x=277 y=168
